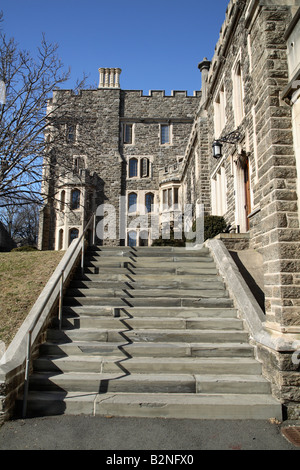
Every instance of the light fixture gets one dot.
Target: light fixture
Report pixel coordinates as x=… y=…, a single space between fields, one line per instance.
x=231 y=138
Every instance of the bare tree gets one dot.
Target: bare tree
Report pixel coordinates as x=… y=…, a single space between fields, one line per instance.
x=21 y=221
x=29 y=82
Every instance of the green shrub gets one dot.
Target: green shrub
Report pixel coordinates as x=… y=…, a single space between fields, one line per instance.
x=25 y=248
x=213 y=225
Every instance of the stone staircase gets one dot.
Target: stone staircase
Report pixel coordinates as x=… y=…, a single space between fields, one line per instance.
x=150 y=332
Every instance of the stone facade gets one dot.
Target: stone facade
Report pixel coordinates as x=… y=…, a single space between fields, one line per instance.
x=157 y=150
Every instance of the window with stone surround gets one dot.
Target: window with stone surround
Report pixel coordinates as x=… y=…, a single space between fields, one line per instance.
x=139 y=167
x=165 y=134
x=149 y=201
x=238 y=92
x=219 y=191
x=133 y=168
x=71 y=133
x=127 y=133
x=219 y=111
x=75 y=199
x=132 y=202
x=132 y=238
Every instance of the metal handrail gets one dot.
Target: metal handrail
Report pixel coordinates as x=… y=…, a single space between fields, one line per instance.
x=60 y=279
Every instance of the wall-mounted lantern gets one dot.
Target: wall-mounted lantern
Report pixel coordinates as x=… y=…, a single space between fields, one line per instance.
x=232 y=138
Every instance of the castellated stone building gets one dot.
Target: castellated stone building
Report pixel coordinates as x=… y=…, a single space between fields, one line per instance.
x=157 y=151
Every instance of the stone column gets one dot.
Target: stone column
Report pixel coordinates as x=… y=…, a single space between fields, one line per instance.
x=111 y=77
x=117 y=77
x=106 y=84
x=101 y=78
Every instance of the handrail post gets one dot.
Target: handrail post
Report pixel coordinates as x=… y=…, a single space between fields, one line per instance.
x=94 y=229
x=82 y=255
x=26 y=381
x=61 y=293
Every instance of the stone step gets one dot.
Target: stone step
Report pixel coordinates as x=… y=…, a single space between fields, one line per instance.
x=151 y=265
x=222 y=302
x=147 y=284
x=148 y=293
x=125 y=322
x=153 y=312
x=120 y=382
x=147 y=335
x=147 y=349
x=190 y=406
x=131 y=270
x=156 y=278
x=149 y=260
x=218 y=366
x=148 y=251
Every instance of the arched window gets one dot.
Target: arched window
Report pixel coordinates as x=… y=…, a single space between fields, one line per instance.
x=60 y=239
x=132 y=202
x=149 y=200
x=133 y=167
x=75 y=199
x=62 y=200
x=145 y=167
x=74 y=232
x=132 y=238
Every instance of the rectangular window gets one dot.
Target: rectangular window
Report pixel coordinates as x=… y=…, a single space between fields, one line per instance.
x=127 y=134
x=164 y=134
x=70 y=134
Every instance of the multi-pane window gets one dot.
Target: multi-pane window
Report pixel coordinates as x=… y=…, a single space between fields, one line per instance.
x=132 y=202
x=164 y=134
x=127 y=133
x=133 y=168
x=149 y=200
x=132 y=238
x=75 y=199
x=170 y=198
x=139 y=168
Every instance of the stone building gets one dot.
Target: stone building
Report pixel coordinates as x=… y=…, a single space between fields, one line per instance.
x=108 y=143
x=157 y=152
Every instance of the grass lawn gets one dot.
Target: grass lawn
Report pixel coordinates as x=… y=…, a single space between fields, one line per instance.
x=23 y=276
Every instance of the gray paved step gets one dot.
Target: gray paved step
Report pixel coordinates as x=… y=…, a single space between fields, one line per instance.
x=149 y=292
x=148 y=284
x=148 y=349
x=193 y=406
x=148 y=382
x=147 y=335
x=125 y=322
x=173 y=312
x=208 y=301
x=145 y=365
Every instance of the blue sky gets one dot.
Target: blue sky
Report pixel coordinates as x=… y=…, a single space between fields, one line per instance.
x=157 y=43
